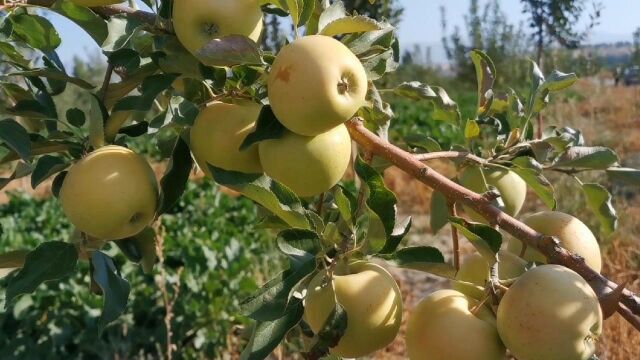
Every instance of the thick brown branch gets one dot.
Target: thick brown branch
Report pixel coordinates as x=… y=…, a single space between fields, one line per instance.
x=456 y=193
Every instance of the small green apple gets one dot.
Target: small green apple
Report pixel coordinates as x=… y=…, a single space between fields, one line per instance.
x=315 y=84
x=308 y=165
x=512 y=188
x=110 y=194
x=218 y=132
x=197 y=22
x=475 y=271
x=370 y=297
x=442 y=327
x=550 y=313
x=572 y=233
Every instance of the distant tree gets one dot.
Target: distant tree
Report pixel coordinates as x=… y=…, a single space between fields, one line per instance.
x=556 y=21
x=487 y=29
x=636 y=47
x=385 y=9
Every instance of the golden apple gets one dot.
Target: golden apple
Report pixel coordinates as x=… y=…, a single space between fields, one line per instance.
x=512 y=188
x=370 y=297
x=550 y=313
x=110 y=194
x=572 y=233
x=475 y=270
x=442 y=327
x=196 y=22
x=91 y=3
x=315 y=84
x=308 y=165
x=218 y=132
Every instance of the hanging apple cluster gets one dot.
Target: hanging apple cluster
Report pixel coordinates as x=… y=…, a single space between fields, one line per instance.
x=272 y=127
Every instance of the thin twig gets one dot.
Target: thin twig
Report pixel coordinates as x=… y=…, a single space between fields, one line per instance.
x=454 y=236
x=106 y=82
x=450 y=155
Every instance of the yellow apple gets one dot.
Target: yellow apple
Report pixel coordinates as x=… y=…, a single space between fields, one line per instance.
x=196 y=22
x=110 y=194
x=572 y=233
x=442 y=327
x=316 y=83
x=550 y=313
x=217 y=133
x=512 y=188
x=308 y=165
x=370 y=297
x=475 y=270
x=91 y=3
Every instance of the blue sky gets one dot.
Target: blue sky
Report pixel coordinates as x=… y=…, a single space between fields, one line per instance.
x=420 y=25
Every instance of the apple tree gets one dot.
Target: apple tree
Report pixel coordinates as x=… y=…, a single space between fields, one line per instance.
x=279 y=129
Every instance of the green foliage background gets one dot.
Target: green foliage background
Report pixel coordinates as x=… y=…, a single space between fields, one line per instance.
x=210 y=234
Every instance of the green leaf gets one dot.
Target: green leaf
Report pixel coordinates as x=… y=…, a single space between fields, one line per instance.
x=35 y=30
x=332 y=13
x=486 y=76
x=625 y=175
x=230 y=50
x=299 y=244
x=530 y=171
x=96 y=122
x=332 y=331
x=439 y=215
x=294 y=12
x=306 y=11
x=599 y=201
x=51 y=260
x=559 y=81
x=267 y=192
x=176 y=177
x=114 y=288
x=16 y=138
x=89 y=21
x=122 y=28
x=151 y=87
x=56 y=185
x=76 y=117
x=344 y=205
x=583 y=157
x=13 y=54
x=269 y=334
x=422 y=141
x=274 y=299
x=47 y=166
x=121 y=89
x=472 y=129
x=351 y=24
x=22 y=169
x=267 y=127
x=422 y=258
x=445 y=109
x=382 y=202
x=125 y=58
x=484 y=238
x=182 y=111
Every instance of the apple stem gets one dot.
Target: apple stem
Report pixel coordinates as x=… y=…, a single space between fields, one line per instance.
x=475 y=309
